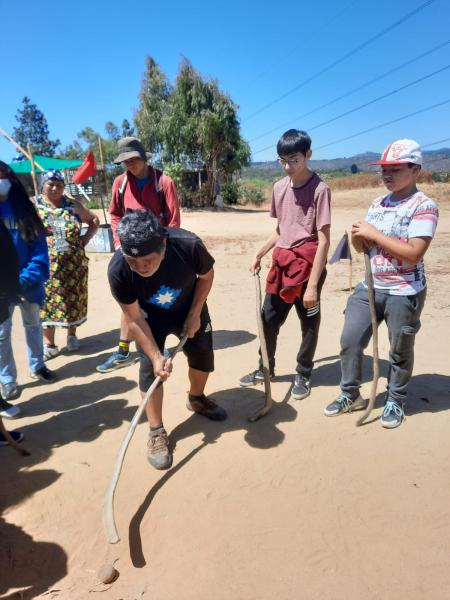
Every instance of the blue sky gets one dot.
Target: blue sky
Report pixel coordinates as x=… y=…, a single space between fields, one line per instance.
x=82 y=64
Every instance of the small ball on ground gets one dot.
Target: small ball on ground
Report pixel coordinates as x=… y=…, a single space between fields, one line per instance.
x=107 y=573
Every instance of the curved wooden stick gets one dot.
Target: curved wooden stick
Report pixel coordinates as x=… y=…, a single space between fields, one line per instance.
x=373 y=318
x=108 y=502
x=11 y=441
x=265 y=357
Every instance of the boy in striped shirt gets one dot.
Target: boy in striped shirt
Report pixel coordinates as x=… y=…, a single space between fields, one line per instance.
x=398 y=229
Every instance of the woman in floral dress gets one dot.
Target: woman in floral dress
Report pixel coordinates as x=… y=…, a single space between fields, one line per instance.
x=66 y=291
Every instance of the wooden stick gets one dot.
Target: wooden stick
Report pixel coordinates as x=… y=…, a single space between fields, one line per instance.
x=350 y=273
x=33 y=171
x=11 y=441
x=265 y=357
x=373 y=318
x=19 y=147
x=100 y=147
x=109 y=521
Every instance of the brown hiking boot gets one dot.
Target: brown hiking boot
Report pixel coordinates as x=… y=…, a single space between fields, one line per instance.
x=158 y=453
x=206 y=407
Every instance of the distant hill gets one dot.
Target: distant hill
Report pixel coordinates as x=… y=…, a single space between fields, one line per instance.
x=434 y=160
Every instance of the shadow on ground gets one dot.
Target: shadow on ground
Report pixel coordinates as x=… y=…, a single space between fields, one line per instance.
x=83 y=412
x=240 y=403
x=229 y=339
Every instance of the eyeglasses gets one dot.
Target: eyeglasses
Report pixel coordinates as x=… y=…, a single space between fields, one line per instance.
x=292 y=162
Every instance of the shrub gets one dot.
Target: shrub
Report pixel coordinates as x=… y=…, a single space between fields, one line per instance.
x=251 y=193
x=230 y=192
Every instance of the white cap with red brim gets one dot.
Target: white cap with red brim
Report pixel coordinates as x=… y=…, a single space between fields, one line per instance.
x=401 y=152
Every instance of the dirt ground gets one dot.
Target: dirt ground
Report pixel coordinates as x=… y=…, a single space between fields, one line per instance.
x=296 y=505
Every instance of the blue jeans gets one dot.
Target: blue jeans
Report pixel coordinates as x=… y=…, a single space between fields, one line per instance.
x=33 y=335
x=402 y=317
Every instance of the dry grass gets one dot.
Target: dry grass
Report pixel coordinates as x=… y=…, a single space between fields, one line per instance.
x=362 y=197
x=355 y=182
x=369 y=180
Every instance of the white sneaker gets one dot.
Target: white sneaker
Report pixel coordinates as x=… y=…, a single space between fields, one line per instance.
x=73 y=343
x=50 y=352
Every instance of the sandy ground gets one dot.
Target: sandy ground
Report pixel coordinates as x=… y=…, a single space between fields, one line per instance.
x=296 y=505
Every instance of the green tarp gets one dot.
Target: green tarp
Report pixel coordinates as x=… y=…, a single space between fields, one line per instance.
x=24 y=166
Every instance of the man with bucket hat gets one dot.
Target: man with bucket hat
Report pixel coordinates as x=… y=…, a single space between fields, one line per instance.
x=140 y=187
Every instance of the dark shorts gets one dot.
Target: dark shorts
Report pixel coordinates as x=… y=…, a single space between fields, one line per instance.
x=198 y=350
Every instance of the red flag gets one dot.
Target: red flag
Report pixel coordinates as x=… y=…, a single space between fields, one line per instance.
x=87 y=169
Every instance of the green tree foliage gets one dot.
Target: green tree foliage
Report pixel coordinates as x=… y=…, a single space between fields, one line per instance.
x=33 y=129
x=151 y=116
x=127 y=129
x=193 y=123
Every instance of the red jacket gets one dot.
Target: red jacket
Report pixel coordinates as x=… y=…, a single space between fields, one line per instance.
x=147 y=199
x=291 y=268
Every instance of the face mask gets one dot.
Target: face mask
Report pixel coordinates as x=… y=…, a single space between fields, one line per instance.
x=5 y=186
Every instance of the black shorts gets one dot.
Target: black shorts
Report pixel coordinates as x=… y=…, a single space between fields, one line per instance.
x=198 y=350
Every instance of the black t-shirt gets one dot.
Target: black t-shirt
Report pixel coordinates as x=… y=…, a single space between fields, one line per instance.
x=167 y=294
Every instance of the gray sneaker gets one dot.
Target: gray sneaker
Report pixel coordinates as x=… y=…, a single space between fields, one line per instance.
x=254 y=378
x=73 y=343
x=343 y=404
x=393 y=415
x=116 y=361
x=8 y=411
x=301 y=388
x=9 y=391
x=158 y=452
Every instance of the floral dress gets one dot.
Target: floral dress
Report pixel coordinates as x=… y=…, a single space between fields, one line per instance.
x=66 y=292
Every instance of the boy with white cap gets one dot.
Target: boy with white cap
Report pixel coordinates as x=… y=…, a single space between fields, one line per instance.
x=398 y=229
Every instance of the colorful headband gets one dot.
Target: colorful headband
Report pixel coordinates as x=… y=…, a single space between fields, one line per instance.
x=135 y=250
x=53 y=174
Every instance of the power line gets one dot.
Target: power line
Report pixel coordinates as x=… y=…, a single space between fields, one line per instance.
x=343 y=58
x=353 y=91
x=417 y=112
x=391 y=93
x=361 y=106
x=436 y=143
x=304 y=40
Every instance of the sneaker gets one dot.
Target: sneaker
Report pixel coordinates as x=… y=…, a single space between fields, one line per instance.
x=44 y=375
x=343 y=404
x=158 y=453
x=50 y=351
x=301 y=388
x=116 y=361
x=8 y=411
x=254 y=378
x=206 y=407
x=17 y=436
x=9 y=391
x=393 y=414
x=73 y=343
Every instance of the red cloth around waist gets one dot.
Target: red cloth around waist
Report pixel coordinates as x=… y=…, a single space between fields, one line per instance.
x=291 y=268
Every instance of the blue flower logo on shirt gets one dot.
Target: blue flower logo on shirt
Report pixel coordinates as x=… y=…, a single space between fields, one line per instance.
x=165 y=297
